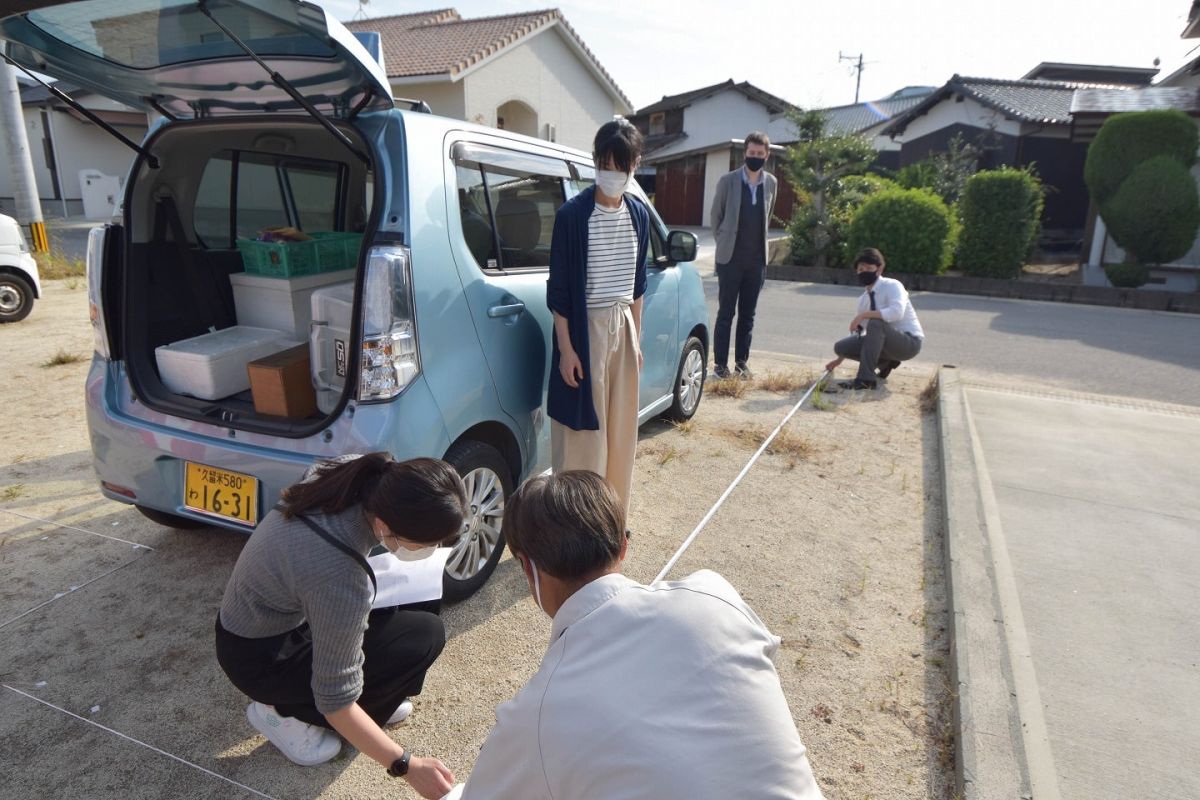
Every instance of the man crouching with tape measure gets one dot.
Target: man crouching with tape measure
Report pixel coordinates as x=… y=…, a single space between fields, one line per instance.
x=665 y=690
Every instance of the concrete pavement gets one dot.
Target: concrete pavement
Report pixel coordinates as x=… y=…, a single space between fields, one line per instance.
x=1072 y=528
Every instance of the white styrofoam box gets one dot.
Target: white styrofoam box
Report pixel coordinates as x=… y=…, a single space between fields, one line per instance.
x=213 y=365
x=329 y=342
x=280 y=303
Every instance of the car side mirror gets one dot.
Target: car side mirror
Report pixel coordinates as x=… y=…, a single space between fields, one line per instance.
x=681 y=247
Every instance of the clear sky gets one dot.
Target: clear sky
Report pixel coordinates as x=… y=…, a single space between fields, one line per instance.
x=790 y=47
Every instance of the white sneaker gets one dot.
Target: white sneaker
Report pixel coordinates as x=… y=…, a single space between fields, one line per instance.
x=303 y=744
x=401 y=713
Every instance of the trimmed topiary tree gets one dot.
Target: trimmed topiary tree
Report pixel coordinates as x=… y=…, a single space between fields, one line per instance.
x=913 y=227
x=999 y=211
x=1156 y=211
x=1126 y=140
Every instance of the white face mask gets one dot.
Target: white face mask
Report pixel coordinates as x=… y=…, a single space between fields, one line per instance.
x=404 y=554
x=537 y=585
x=612 y=182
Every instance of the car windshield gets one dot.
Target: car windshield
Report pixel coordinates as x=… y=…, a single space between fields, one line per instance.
x=145 y=34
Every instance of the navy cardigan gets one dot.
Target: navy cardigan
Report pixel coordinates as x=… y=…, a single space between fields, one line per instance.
x=566 y=294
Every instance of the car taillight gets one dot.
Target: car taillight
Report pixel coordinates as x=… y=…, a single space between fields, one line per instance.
x=390 y=360
x=95 y=273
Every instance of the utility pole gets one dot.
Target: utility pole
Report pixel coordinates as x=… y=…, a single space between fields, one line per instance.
x=857 y=68
x=20 y=160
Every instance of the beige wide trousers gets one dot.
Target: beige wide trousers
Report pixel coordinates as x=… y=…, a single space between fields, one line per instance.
x=609 y=451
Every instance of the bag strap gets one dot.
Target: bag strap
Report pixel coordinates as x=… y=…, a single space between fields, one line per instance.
x=345 y=548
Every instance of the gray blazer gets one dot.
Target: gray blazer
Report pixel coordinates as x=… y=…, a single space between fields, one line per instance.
x=727 y=206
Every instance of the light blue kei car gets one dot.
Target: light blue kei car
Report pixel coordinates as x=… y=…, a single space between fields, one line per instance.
x=431 y=336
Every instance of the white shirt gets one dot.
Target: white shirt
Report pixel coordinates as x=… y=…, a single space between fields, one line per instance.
x=611 y=257
x=892 y=303
x=649 y=691
x=752 y=184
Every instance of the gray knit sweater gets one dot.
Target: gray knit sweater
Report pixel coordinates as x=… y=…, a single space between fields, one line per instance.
x=288 y=575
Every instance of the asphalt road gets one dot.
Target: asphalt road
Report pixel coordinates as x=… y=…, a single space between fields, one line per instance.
x=1144 y=354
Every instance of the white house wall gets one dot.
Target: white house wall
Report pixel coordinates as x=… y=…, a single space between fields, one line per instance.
x=445 y=98
x=77 y=145
x=968 y=112
x=82 y=145
x=713 y=120
x=716 y=166
x=547 y=75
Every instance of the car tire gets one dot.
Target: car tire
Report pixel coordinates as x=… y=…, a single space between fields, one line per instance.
x=16 y=297
x=689 y=381
x=172 y=520
x=489 y=484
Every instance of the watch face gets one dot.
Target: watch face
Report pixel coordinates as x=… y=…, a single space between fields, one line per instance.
x=399 y=767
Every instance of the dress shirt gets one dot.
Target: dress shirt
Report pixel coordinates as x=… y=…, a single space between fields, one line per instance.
x=892 y=303
x=649 y=691
x=753 y=185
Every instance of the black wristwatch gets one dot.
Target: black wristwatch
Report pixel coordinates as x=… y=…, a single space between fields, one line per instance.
x=399 y=767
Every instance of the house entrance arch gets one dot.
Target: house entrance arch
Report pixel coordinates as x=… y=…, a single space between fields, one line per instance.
x=517 y=117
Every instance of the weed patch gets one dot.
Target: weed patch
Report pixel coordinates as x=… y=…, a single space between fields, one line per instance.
x=63 y=357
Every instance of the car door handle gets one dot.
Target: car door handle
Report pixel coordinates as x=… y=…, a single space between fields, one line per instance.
x=506 y=310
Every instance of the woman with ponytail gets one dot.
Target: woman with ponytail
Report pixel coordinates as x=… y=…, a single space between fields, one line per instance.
x=296 y=632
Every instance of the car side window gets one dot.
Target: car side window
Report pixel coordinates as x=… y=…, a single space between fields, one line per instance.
x=507 y=201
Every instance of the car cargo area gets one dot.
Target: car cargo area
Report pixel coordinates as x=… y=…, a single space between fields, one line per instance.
x=239 y=270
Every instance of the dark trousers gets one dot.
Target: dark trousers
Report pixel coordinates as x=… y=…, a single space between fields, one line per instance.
x=738 y=288
x=880 y=342
x=399 y=646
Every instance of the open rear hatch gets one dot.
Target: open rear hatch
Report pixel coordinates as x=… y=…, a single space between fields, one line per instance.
x=202 y=189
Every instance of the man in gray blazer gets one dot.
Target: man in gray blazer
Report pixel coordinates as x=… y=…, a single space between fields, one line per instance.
x=741 y=212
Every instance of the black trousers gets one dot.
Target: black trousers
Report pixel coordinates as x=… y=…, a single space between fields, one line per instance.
x=399 y=646
x=738 y=288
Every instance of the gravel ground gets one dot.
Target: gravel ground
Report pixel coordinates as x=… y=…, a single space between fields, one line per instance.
x=834 y=537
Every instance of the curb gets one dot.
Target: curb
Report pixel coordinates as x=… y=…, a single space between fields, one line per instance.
x=1148 y=300
x=990 y=762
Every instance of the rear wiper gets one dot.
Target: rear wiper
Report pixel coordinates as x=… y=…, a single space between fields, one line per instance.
x=61 y=95
x=283 y=83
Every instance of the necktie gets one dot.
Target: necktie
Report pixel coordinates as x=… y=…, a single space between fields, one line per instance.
x=871 y=294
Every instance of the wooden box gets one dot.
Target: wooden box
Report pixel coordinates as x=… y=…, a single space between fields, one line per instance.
x=281 y=384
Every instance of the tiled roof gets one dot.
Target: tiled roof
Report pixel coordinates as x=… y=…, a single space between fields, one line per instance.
x=1113 y=101
x=671 y=102
x=442 y=42
x=1046 y=102
x=660 y=140
x=858 y=117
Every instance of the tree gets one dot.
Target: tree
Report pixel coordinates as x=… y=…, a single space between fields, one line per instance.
x=1138 y=173
x=944 y=173
x=816 y=163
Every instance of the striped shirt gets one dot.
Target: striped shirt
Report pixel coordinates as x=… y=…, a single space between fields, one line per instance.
x=612 y=257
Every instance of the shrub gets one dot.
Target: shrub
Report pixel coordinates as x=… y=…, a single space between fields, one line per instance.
x=999 y=211
x=1156 y=211
x=843 y=201
x=946 y=172
x=1126 y=140
x=913 y=227
x=1128 y=275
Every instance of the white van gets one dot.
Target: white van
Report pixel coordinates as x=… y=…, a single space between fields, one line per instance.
x=19 y=281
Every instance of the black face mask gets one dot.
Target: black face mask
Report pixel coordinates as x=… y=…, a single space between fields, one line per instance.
x=867 y=278
x=755 y=164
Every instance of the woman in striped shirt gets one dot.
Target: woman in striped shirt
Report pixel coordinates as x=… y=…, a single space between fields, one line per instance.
x=597 y=279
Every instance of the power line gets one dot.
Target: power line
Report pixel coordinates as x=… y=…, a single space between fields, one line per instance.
x=859 y=67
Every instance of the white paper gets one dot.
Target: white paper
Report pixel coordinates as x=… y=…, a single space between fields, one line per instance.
x=455 y=793
x=404 y=582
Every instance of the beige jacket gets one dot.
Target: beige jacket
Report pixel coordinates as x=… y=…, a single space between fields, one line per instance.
x=727 y=206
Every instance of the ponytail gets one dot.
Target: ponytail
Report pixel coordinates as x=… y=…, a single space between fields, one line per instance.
x=336 y=486
x=421 y=500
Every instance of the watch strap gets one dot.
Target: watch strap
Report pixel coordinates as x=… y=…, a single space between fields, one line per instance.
x=399 y=767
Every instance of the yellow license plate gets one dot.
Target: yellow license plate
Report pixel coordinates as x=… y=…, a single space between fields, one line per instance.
x=221 y=493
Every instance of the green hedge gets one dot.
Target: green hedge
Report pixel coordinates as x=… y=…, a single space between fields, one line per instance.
x=1126 y=140
x=999 y=211
x=1155 y=213
x=913 y=227
x=1127 y=275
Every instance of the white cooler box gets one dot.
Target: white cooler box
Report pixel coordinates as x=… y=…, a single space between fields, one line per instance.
x=213 y=365
x=284 y=304
x=329 y=342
